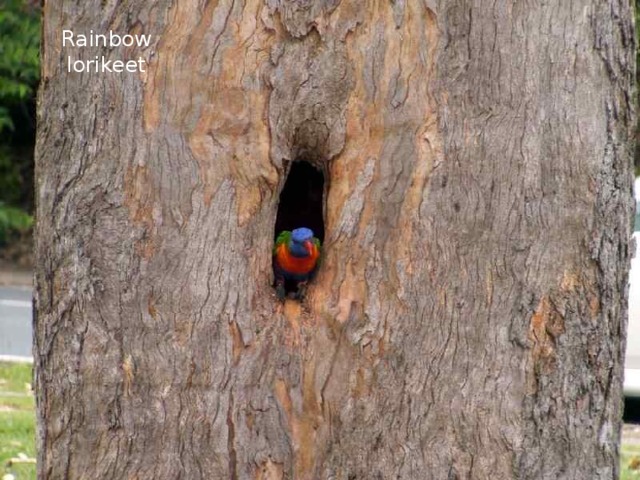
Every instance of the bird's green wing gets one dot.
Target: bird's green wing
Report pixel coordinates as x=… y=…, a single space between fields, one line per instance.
x=283 y=237
x=316 y=242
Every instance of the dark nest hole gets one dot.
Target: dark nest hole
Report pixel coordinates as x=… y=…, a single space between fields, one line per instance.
x=631 y=410
x=301 y=202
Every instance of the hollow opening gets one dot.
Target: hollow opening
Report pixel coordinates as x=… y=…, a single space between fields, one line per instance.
x=301 y=205
x=301 y=200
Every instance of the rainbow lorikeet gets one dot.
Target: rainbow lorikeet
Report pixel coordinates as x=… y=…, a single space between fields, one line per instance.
x=295 y=260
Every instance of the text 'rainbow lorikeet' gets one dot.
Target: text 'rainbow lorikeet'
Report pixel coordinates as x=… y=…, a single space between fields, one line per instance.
x=295 y=260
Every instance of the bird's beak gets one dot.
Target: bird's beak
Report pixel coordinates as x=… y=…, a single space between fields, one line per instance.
x=308 y=245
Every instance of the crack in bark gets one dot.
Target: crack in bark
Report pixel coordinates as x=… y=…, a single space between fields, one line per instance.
x=231 y=437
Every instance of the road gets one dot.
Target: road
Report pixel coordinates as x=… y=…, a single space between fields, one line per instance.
x=15 y=322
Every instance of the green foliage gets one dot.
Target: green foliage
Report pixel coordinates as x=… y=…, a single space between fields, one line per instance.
x=14 y=223
x=19 y=56
x=16 y=175
x=19 y=75
x=10 y=178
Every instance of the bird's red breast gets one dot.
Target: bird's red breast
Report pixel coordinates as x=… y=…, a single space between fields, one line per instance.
x=297 y=265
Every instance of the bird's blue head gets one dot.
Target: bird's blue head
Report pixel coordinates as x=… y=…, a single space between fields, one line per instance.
x=299 y=237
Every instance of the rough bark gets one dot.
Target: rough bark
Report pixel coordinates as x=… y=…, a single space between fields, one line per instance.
x=468 y=318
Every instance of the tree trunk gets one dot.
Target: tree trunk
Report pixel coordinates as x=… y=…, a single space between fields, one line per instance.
x=468 y=318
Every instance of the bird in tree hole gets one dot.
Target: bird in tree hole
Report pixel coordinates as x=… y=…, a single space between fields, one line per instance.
x=295 y=261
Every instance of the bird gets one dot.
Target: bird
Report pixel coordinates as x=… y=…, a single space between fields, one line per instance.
x=296 y=256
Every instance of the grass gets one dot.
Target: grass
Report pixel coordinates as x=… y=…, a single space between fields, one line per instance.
x=17 y=421
x=17 y=427
x=630 y=462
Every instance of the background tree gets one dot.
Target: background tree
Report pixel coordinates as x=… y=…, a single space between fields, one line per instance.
x=637 y=149
x=467 y=318
x=19 y=75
